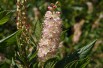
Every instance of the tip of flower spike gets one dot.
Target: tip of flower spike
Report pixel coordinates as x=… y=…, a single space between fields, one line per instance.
x=52 y=7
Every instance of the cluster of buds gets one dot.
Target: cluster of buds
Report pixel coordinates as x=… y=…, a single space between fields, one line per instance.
x=19 y=23
x=22 y=24
x=21 y=14
x=50 y=39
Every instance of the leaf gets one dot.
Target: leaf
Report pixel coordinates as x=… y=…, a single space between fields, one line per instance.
x=50 y=63
x=37 y=29
x=84 y=51
x=9 y=39
x=4 y=16
x=13 y=62
x=35 y=65
x=3 y=13
x=32 y=56
x=77 y=55
x=82 y=63
x=4 y=20
x=63 y=34
x=7 y=46
x=5 y=61
x=4 y=65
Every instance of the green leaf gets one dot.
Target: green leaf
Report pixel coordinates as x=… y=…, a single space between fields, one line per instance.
x=37 y=28
x=4 y=65
x=13 y=61
x=35 y=65
x=5 y=61
x=4 y=20
x=84 y=51
x=32 y=56
x=63 y=35
x=4 y=16
x=82 y=63
x=9 y=39
x=77 y=55
x=50 y=63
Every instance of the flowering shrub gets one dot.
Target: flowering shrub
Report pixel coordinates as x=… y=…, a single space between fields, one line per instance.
x=43 y=43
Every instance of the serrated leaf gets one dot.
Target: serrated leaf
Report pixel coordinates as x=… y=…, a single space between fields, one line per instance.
x=84 y=51
x=37 y=29
x=77 y=55
x=82 y=63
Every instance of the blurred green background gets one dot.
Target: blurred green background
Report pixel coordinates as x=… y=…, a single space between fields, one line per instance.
x=82 y=23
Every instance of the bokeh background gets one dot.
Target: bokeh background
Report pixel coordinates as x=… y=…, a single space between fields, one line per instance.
x=82 y=23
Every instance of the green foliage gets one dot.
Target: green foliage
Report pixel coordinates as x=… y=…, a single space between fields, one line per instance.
x=9 y=40
x=82 y=63
x=4 y=44
x=51 y=63
x=37 y=26
x=83 y=52
x=4 y=17
x=75 y=55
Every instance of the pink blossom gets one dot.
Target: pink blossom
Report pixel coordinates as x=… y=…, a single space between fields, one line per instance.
x=50 y=40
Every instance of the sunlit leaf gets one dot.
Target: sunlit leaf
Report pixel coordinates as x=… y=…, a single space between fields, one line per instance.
x=77 y=55
x=84 y=51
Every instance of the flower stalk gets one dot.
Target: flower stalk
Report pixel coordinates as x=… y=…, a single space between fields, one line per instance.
x=22 y=24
